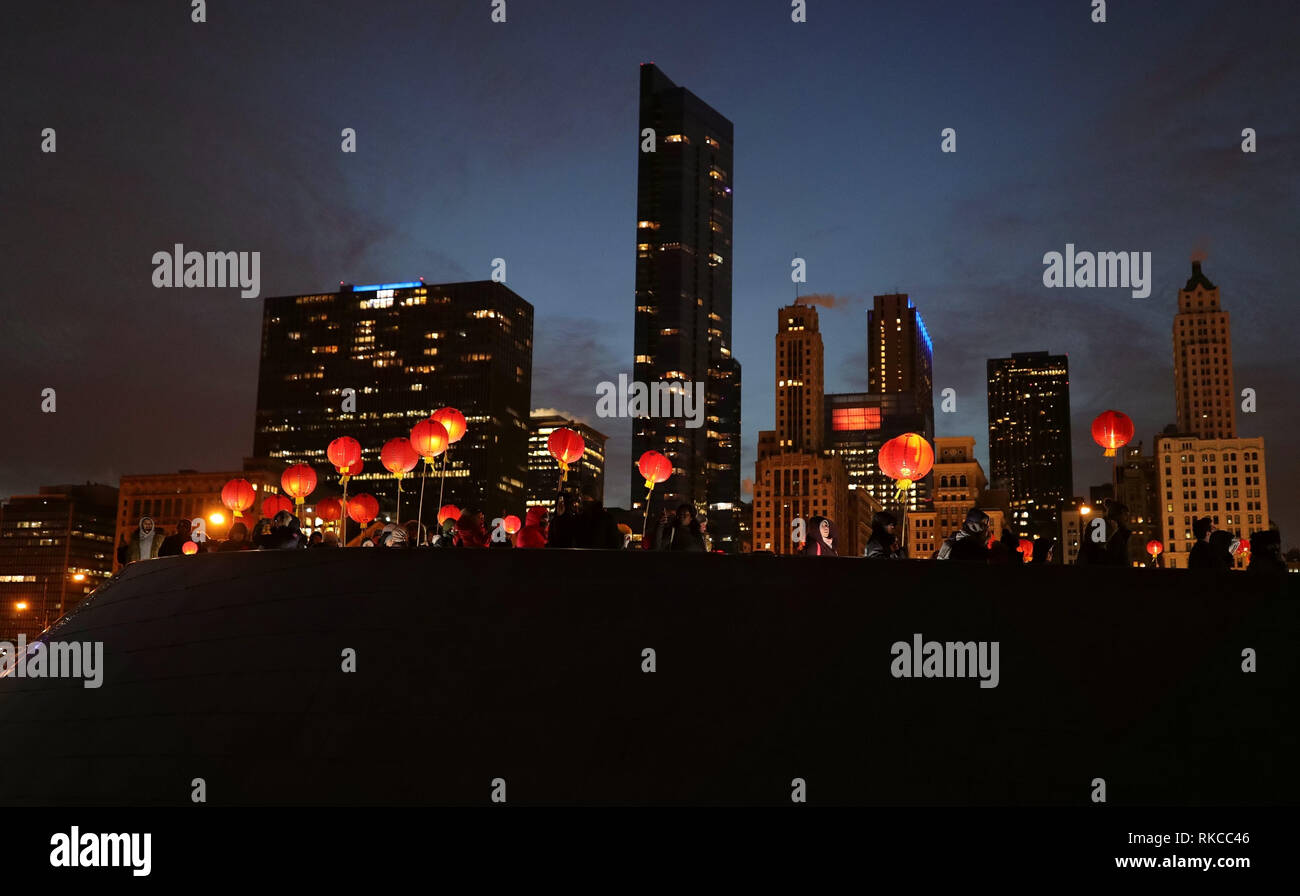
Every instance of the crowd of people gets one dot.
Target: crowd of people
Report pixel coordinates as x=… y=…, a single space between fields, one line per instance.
x=581 y=521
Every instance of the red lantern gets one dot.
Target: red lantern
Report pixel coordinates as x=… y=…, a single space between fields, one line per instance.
x=453 y=421
x=298 y=482
x=345 y=454
x=566 y=446
x=511 y=524
x=363 y=508
x=1027 y=549
x=448 y=512
x=189 y=548
x=429 y=439
x=274 y=504
x=1154 y=548
x=398 y=457
x=654 y=468
x=1243 y=547
x=238 y=496
x=1112 y=430
x=906 y=459
x=329 y=509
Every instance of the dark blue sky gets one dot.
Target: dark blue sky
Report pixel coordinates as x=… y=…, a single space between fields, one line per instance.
x=519 y=141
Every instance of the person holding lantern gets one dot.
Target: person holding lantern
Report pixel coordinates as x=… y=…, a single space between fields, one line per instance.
x=681 y=532
x=470 y=530
x=533 y=534
x=883 y=544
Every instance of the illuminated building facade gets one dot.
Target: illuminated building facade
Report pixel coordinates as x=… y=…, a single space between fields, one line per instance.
x=900 y=375
x=959 y=486
x=1029 y=437
x=372 y=361
x=586 y=474
x=683 y=300
x=55 y=548
x=1137 y=488
x=168 y=498
x=1223 y=479
x=1203 y=390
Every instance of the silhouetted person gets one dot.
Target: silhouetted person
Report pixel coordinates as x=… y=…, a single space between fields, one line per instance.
x=596 y=526
x=1222 y=546
x=883 y=543
x=236 y=539
x=533 y=533
x=680 y=532
x=1266 y=552
x=1202 y=555
x=821 y=538
x=1105 y=539
x=284 y=534
x=1043 y=551
x=968 y=543
x=470 y=530
x=564 y=526
x=173 y=544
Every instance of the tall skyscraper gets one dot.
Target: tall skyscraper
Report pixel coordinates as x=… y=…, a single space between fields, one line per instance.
x=1029 y=438
x=900 y=378
x=586 y=475
x=683 y=299
x=794 y=476
x=55 y=548
x=372 y=361
x=1203 y=467
x=1203 y=387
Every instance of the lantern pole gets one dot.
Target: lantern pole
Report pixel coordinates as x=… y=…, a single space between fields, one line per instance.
x=423 y=479
x=442 y=478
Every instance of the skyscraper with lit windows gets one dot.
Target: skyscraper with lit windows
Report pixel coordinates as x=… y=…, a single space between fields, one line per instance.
x=372 y=361
x=683 y=299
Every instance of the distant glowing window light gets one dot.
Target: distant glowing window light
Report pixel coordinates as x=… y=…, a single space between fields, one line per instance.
x=853 y=419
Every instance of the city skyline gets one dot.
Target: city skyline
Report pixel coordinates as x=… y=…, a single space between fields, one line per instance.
x=975 y=267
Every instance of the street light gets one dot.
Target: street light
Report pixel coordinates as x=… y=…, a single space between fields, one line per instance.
x=79 y=577
x=216 y=519
x=20 y=605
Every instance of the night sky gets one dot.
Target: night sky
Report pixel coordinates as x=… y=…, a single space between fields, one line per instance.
x=479 y=140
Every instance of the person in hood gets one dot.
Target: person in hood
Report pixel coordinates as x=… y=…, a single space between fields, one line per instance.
x=883 y=544
x=236 y=539
x=392 y=536
x=1202 y=555
x=533 y=533
x=821 y=538
x=969 y=542
x=680 y=532
x=470 y=529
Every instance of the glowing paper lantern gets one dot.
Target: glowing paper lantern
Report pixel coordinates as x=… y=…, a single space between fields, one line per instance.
x=511 y=524
x=398 y=457
x=1154 y=548
x=429 y=439
x=453 y=421
x=189 y=548
x=448 y=512
x=274 y=504
x=1243 y=547
x=1027 y=549
x=654 y=469
x=566 y=446
x=345 y=454
x=363 y=508
x=238 y=496
x=298 y=482
x=906 y=459
x=329 y=509
x=1112 y=430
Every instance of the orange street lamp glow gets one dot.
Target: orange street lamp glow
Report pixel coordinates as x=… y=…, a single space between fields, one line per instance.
x=21 y=605
x=1085 y=510
x=216 y=519
x=79 y=577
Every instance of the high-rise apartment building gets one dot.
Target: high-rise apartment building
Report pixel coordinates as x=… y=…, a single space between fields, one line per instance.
x=372 y=361
x=683 y=299
x=1203 y=389
x=586 y=475
x=1029 y=437
x=959 y=487
x=55 y=548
